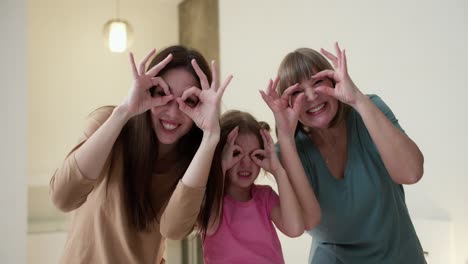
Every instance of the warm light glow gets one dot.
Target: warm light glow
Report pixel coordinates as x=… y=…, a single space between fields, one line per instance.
x=118 y=36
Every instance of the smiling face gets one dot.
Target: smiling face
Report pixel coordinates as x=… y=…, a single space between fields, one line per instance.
x=169 y=123
x=243 y=174
x=319 y=109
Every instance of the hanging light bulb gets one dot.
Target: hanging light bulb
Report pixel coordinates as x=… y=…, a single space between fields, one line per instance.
x=117 y=33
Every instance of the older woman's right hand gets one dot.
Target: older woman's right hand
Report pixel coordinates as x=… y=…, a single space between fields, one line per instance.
x=139 y=99
x=286 y=115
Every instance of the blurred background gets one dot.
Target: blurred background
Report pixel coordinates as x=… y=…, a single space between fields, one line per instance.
x=57 y=67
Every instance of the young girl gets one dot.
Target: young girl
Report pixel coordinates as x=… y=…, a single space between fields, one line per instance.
x=138 y=173
x=241 y=229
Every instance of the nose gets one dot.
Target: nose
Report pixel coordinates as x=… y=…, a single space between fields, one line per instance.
x=310 y=94
x=246 y=161
x=173 y=108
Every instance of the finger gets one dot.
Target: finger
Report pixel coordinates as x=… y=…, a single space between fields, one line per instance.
x=189 y=92
x=330 y=56
x=325 y=74
x=158 y=81
x=299 y=103
x=214 y=73
x=274 y=88
x=142 y=65
x=264 y=139
x=287 y=95
x=255 y=156
x=224 y=85
x=232 y=136
x=158 y=67
x=268 y=100
x=290 y=90
x=184 y=107
x=344 y=63
x=271 y=89
x=203 y=80
x=337 y=50
x=133 y=66
x=268 y=137
x=159 y=101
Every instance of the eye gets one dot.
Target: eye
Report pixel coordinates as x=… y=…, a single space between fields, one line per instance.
x=259 y=156
x=158 y=91
x=191 y=102
x=236 y=153
x=316 y=83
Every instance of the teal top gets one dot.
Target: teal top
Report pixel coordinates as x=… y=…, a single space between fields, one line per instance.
x=364 y=216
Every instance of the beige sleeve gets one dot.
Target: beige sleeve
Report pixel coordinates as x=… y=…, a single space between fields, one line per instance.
x=68 y=187
x=181 y=213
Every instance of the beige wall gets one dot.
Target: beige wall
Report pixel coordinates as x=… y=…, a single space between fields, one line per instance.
x=71 y=71
x=412 y=53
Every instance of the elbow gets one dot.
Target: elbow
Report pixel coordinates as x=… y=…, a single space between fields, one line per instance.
x=415 y=175
x=313 y=222
x=60 y=203
x=295 y=231
x=174 y=233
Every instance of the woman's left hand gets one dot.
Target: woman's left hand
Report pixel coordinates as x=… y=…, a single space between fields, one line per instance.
x=205 y=114
x=345 y=90
x=266 y=158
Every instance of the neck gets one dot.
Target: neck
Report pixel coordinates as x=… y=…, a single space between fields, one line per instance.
x=239 y=193
x=167 y=155
x=327 y=136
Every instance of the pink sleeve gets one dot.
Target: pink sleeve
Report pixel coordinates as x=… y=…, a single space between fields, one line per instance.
x=272 y=198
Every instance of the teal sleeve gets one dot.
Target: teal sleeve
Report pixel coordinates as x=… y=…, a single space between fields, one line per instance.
x=385 y=110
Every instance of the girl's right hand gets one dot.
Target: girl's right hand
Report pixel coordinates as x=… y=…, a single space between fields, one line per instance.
x=286 y=115
x=139 y=99
x=231 y=153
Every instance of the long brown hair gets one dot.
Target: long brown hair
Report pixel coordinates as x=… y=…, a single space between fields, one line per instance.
x=300 y=65
x=215 y=186
x=140 y=148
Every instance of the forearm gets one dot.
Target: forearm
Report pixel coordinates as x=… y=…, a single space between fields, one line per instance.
x=401 y=156
x=305 y=194
x=198 y=170
x=92 y=155
x=291 y=213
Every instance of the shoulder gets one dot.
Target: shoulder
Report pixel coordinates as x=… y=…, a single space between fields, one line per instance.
x=262 y=190
x=101 y=114
x=97 y=118
x=377 y=101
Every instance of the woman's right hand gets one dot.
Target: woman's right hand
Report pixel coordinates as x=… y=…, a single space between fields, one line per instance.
x=231 y=153
x=285 y=110
x=139 y=99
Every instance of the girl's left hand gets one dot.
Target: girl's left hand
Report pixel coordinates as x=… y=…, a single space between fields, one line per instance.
x=206 y=113
x=266 y=158
x=345 y=90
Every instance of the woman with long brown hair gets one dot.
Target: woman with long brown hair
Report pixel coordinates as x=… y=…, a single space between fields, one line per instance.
x=139 y=171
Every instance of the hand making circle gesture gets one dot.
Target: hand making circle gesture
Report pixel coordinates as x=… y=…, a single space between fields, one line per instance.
x=205 y=114
x=231 y=153
x=285 y=111
x=345 y=90
x=266 y=158
x=139 y=99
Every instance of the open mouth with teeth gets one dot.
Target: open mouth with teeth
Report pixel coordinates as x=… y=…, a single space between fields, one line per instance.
x=317 y=110
x=169 y=126
x=244 y=175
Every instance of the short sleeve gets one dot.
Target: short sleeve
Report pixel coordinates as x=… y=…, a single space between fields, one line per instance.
x=385 y=110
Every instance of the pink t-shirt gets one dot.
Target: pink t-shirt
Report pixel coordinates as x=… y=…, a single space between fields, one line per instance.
x=246 y=233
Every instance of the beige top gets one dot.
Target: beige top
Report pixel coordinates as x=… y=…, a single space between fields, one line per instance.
x=99 y=231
